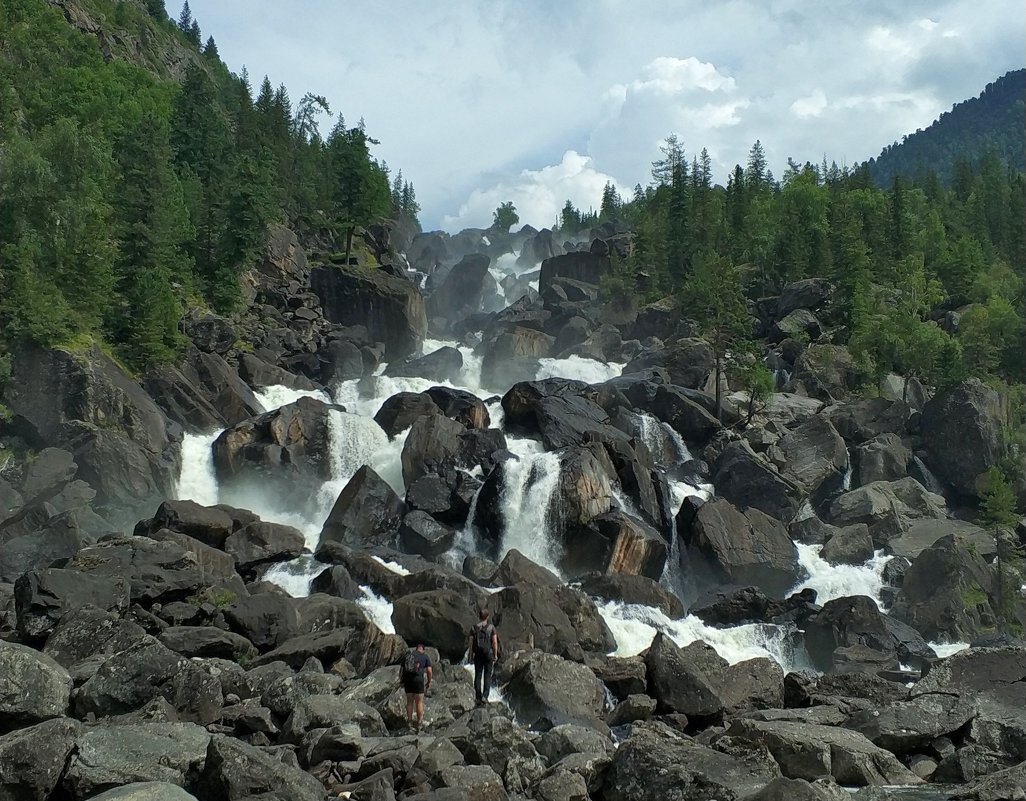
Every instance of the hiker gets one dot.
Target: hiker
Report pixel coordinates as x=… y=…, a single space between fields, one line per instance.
x=415 y=674
x=484 y=650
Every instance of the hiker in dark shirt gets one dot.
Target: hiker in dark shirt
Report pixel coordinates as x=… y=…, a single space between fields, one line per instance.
x=415 y=673
x=483 y=648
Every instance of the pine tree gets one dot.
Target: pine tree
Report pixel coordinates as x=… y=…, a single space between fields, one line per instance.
x=714 y=296
x=185 y=19
x=210 y=49
x=997 y=511
x=505 y=216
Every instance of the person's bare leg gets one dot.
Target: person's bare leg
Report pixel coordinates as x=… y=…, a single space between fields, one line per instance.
x=411 y=703
x=420 y=710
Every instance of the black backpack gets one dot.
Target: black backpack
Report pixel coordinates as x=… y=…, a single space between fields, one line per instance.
x=411 y=665
x=483 y=639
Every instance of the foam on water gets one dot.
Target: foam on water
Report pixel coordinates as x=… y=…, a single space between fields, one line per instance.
x=275 y=397
x=945 y=649
x=578 y=368
x=634 y=626
x=197 y=480
x=395 y=567
x=840 y=581
x=377 y=609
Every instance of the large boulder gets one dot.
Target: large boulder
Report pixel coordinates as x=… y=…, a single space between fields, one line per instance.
x=615 y=543
x=86 y=632
x=825 y=372
x=887 y=507
x=367 y=512
x=402 y=410
x=467 y=289
x=228 y=393
x=809 y=293
x=234 y=771
x=962 y=434
x=679 y=683
x=162 y=568
x=358 y=641
x=949 y=593
x=748 y=481
x=546 y=691
x=688 y=362
x=862 y=420
x=267 y=620
x=990 y=680
x=147 y=671
x=632 y=589
x=583 y=266
x=443 y=364
x=883 y=458
x=110 y=756
x=209 y=524
x=284 y=449
x=260 y=543
x=33 y=759
x=531 y=616
x=720 y=544
x=656 y=763
x=33 y=687
x=391 y=309
x=906 y=728
x=57 y=538
x=440 y=619
x=813 y=455
x=857 y=620
x=84 y=402
x=809 y=751
x=42 y=597
x=434 y=445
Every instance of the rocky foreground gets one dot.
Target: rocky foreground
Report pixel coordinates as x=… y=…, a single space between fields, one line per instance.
x=162 y=664
x=146 y=659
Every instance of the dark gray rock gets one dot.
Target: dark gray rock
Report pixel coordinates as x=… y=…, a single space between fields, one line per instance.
x=858 y=621
x=632 y=589
x=207 y=642
x=210 y=525
x=33 y=687
x=656 y=763
x=421 y=534
x=441 y=619
x=58 y=538
x=146 y=791
x=725 y=546
x=403 y=409
x=748 y=481
x=235 y=771
x=146 y=671
x=961 y=430
x=850 y=545
x=33 y=759
x=883 y=458
x=615 y=543
x=260 y=543
x=810 y=752
x=107 y=757
x=813 y=456
x=443 y=364
x=367 y=512
x=391 y=309
x=86 y=631
x=809 y=293
x=42 y=597
x=546 y=691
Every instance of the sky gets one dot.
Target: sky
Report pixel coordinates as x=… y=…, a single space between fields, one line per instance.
x=540 y=101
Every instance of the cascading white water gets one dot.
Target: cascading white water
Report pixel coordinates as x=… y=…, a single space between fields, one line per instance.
x=197 y=480
x=839 y=581
x=272 y=398
x=528 y=485
x=578 y=368
x=633 y=626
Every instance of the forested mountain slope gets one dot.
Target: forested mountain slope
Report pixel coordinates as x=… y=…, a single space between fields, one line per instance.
x=994 y=121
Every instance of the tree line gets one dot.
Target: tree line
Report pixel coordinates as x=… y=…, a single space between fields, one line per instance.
x=126 y=198
x=930 y=279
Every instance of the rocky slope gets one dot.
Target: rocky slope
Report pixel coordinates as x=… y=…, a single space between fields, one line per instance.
x=147 y=652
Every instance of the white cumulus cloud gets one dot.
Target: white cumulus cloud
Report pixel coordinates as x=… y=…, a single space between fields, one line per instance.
x=538 y=195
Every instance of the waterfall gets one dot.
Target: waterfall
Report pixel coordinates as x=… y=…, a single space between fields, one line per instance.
x=634 y=626
x=578 y=368
x=197 y=480
x=838 y=581
x=275 y=397
x=528 y=485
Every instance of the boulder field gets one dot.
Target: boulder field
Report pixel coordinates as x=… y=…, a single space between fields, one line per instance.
x=148 y=651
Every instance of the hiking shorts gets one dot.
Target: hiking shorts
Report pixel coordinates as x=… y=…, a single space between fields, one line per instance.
x=413 y=685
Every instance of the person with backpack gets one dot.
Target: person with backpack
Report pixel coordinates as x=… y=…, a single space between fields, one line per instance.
x=415 y=674
x=483 y=648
